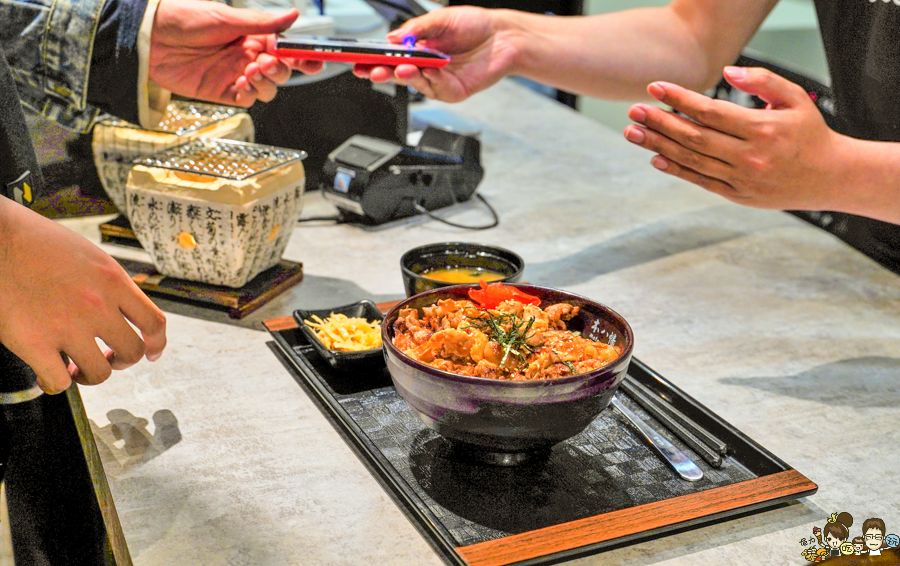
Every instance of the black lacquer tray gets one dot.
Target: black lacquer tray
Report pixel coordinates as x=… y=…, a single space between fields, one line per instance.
x=600 y=489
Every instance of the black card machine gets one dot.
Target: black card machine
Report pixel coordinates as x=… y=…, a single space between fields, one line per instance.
x=373 y=181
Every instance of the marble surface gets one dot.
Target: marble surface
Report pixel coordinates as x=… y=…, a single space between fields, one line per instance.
x=785 y=331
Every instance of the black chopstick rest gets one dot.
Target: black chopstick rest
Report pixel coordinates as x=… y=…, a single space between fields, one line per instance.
x=704 y=435
x=712 y=457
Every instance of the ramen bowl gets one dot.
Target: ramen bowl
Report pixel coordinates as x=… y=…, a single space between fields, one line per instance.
x=468 y=262
x=508 y=422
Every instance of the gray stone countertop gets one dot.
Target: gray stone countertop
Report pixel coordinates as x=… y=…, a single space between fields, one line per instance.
x=786 y=332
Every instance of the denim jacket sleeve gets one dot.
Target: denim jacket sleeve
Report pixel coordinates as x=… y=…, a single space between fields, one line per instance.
x=50 y=45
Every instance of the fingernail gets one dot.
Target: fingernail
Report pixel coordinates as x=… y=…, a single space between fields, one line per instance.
x=248 y=88
x=638 y=114
x=634 y=134
x=153 y=357
x=257 y=76
x=659 y=162
x=398 y=32
x=656 y=91
x=736 y=73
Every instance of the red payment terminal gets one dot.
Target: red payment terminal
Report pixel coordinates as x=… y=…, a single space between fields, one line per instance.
x=366 y=52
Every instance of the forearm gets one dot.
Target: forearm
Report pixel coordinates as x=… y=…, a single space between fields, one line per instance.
x=4 y=229
x=867 y=179
x=616 y=55
x=11 y=235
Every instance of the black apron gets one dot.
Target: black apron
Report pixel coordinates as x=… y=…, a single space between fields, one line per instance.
x=862 y=46
x=54 y=517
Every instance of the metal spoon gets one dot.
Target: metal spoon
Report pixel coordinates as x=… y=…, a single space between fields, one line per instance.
x=682 y=465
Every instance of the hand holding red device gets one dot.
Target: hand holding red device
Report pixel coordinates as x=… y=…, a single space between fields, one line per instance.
x=368 y=52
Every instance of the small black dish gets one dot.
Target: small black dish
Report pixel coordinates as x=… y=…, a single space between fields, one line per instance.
x=417 y=262
x=343 y=360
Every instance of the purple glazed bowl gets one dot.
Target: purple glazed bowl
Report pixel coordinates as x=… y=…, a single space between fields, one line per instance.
x=508 y=422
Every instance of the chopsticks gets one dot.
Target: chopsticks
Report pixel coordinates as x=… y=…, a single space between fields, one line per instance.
x=701 y=441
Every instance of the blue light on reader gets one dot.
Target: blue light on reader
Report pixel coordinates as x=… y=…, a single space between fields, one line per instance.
x=342 y=181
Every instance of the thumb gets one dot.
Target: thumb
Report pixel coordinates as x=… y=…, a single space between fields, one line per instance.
x=775 y=90
x=427 y=26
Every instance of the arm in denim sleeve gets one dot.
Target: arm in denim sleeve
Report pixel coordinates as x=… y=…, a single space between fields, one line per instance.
x=113 y=79
x=119 y=80
x=48 y=44
x=54 y=47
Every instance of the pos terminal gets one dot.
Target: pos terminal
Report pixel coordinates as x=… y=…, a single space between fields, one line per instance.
x=372 y=181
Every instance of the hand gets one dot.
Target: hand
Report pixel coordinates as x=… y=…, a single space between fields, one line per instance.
x=210 y=51
x=781 y=157
x=58 y=292
x=481 y=53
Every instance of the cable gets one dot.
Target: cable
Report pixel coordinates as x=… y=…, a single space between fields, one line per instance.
x=336 y=218
x=422 y=210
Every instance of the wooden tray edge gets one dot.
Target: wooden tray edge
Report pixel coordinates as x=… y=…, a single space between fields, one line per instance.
x=636 y=520
x=288 y=322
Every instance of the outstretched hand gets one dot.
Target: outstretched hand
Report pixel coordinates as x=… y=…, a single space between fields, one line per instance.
x=781 y=157
x=210 y=51
x=58 y=292
x=480 y=54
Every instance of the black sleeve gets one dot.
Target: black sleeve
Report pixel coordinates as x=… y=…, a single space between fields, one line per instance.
x=112 y=83
x=16 y=152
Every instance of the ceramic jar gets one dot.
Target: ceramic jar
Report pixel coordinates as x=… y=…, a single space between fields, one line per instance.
x=117 y=143
x=216 y=211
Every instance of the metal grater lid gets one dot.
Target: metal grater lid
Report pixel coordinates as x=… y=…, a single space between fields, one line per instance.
x=183 y=117
x=227 y=159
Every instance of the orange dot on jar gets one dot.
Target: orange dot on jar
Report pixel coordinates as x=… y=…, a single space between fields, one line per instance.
x=274 y=233
x=186 y=240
